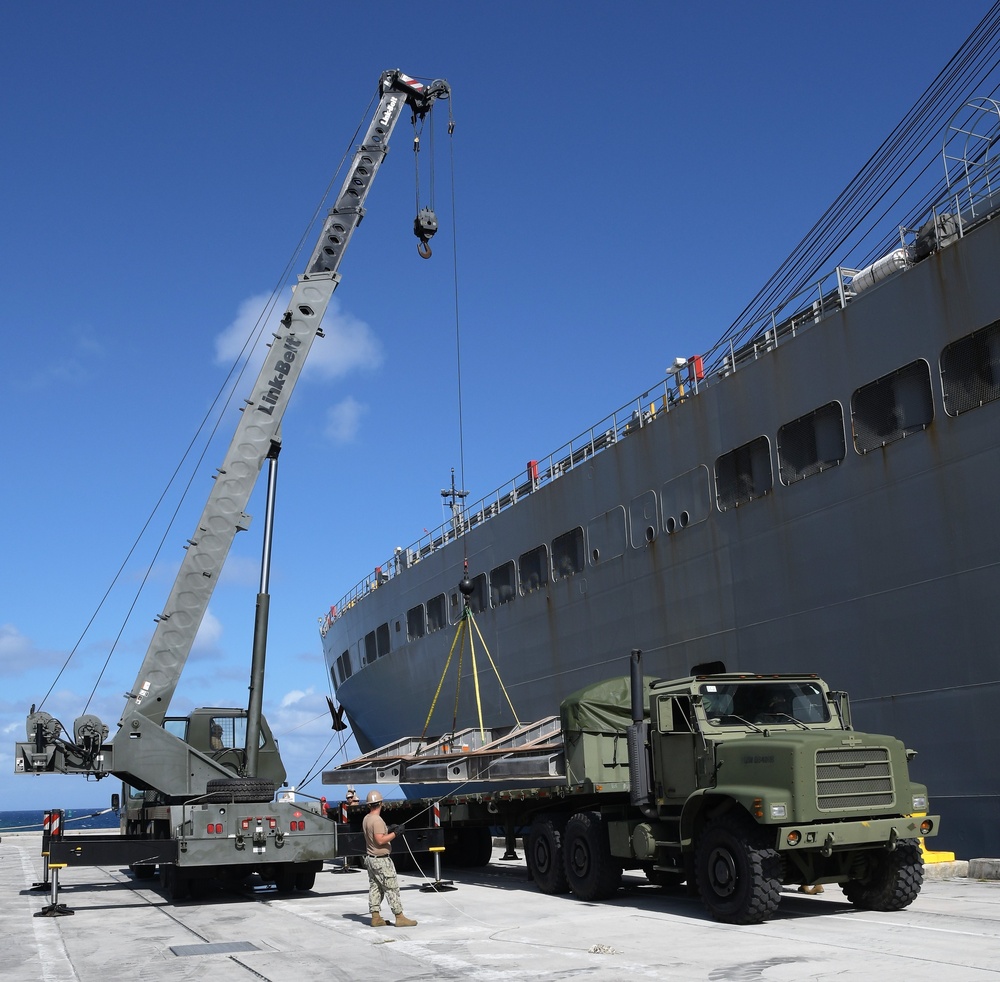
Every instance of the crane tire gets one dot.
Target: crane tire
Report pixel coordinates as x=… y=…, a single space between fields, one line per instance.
x=222 y=790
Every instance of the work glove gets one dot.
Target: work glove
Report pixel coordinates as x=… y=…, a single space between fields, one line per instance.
x=393 y=828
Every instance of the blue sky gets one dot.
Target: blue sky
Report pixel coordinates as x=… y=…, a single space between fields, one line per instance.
x=626 y=176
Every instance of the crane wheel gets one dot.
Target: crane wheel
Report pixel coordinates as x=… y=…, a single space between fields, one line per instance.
x=224 y=790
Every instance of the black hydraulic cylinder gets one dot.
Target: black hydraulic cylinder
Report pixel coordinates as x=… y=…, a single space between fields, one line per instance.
x=256 y=703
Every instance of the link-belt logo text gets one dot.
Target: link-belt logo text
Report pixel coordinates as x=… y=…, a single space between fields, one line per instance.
x=389 y=110
x=282 y=367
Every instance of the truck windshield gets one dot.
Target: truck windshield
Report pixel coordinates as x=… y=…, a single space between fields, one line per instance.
x=736 y=703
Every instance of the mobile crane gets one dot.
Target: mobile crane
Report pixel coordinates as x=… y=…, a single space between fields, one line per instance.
x=199 y=789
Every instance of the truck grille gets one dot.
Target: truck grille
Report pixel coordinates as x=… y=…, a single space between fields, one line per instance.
x=853 y=777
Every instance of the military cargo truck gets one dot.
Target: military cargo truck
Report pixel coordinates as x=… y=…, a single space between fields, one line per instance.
x=735 y=783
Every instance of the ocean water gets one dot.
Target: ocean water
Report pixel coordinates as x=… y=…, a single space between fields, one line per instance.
x=73 y=819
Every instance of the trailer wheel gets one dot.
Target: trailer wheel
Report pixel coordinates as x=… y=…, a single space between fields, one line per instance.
x=143 y=871
x=591 y=871
x=544 y=855
x=476 y=847
x=738 y=875
x=893 y=879
x=222 y=790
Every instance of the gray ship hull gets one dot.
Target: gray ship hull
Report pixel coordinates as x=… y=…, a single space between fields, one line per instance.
x=878 y=571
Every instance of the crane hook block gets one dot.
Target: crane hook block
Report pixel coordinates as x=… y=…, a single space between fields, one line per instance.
x=424 y=226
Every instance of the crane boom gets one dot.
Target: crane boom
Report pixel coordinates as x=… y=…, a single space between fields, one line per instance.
x=257 y=434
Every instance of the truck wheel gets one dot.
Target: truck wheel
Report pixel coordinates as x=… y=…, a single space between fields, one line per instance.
x=284 y=878
x=544 y=855
x=174 y=883
x=244 y=790
x=892 y=881
x=738 y=876
x=591 y=871
x=305 y=879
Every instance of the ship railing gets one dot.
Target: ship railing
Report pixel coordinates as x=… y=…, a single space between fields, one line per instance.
x=953 y=214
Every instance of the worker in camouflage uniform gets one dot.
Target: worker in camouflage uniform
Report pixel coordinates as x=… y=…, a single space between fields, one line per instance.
x=382 y=883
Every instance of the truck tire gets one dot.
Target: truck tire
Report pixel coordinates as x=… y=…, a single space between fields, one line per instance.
x=175 y=884
x=739 y=877
x=242 y=790
x=475 y=847
x=591 y=871
x=305 y=879
x=892 y=881
x=544 y=855
x=284 y=878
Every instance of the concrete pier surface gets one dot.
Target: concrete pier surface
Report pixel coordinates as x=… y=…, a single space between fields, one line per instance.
x=493 y=926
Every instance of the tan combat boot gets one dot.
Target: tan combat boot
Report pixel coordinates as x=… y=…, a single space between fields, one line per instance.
x=377 y=919
x=403 y=921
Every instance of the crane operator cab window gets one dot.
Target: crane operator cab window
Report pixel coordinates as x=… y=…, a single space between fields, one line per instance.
x=229 y=733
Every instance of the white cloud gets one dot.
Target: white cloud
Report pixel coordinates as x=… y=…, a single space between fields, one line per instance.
x=14 y=646
x=295 y=696
x=19 y=654
x=344 y=419
x=209 y=633
x=349 y=344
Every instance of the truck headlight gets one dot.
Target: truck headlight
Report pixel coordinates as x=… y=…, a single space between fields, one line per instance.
x=920 y=803
x=779 y=811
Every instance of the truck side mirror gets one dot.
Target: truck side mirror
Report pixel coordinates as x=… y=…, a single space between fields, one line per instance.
x=665 y=715
x=116 y=803
x=843 y=704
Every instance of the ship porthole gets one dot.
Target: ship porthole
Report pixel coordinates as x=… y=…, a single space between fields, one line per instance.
x=595 y=556
x=671 y=524
x=650 y=533
x=685 y=519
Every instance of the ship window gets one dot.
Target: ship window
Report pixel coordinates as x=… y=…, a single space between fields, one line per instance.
x=892 y=407
x=344 y=666
x=643 y=519
x=382 y=639
x=743 y=474
x=502 y=584
x=970 y=370
x=437 y=615
x=811 y=444
x=606 y=535
x=533 y=568
x=371 y=648
x=567 y=554
x=415 y=624
x=686 y=500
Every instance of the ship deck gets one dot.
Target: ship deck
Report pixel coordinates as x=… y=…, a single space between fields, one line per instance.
x=493 y=925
